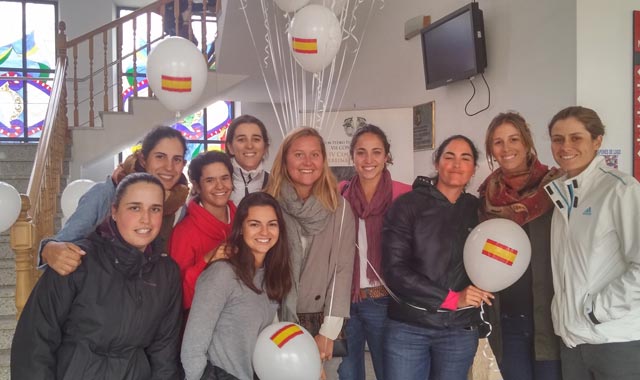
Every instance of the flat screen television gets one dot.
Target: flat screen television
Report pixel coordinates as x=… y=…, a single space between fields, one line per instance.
x=453 y=47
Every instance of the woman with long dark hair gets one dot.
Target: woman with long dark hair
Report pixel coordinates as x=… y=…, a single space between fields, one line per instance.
x=239 y=296
x=370 y=193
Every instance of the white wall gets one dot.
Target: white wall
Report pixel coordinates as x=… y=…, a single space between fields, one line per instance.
x=531 y=69
x=604 y=69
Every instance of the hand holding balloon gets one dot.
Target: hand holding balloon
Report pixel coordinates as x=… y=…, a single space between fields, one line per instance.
x=472 y=296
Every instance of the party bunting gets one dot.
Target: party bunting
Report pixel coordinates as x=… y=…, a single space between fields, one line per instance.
x=499 y=252
x=285 y=334
x=304 y=45
x=176 y=84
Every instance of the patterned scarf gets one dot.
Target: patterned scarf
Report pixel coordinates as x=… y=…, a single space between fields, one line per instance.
x=519 y=197
x=302 y=218
x=373 y=213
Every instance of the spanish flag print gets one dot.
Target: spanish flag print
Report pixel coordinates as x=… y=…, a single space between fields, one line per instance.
x=304 y=45
x=499 y=252
x=176 y=84
x=285 y=334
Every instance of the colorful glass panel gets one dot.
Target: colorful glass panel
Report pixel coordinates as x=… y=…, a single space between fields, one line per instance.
x=26 y=63
x=11 y=35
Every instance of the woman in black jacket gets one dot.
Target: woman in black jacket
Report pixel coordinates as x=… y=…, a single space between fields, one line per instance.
x=118 y=315
x=433 y=321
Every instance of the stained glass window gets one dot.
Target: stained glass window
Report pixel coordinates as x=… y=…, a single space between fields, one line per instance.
x=27 y=59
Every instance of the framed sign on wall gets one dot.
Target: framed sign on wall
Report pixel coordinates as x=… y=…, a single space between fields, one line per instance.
x=423 y=126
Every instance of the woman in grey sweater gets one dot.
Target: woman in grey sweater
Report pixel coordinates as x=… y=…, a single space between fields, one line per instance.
x=237 y=297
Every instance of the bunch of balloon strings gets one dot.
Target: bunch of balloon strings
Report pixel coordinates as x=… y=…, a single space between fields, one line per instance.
x=306 y=55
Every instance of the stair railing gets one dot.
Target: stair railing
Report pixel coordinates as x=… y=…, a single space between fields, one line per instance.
x=96 y=79
x=40 y=205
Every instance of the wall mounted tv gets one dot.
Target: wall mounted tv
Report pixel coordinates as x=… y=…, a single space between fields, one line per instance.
x=453 y=47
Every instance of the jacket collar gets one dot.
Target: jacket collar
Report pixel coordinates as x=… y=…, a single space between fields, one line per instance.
x=427 y=186
x=565 y=192
x=125 y=258
x=239 y=172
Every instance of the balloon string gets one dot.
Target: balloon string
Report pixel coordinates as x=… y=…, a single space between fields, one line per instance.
x=243 y=6
x=493 y=365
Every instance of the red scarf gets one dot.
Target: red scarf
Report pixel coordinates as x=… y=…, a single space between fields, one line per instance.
x=373 y=214
x=519 y=197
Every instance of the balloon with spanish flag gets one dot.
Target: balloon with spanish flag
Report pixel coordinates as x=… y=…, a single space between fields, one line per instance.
x=177 y=73
x=286 y=351
x=315 y=36
x=496 y=254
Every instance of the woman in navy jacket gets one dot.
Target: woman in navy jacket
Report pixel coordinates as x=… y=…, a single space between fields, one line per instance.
x=433 y=320
x=118 y=315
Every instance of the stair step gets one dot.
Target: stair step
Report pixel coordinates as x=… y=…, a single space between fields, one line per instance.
x=7 y=328
x=18 y=152
x=7 y=275
x=7 y=301
x=6 y=253
x=8 y=168
x=5 y=357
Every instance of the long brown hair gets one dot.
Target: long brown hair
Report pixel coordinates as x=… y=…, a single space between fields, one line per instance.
x=324 y=189
x=277 y=266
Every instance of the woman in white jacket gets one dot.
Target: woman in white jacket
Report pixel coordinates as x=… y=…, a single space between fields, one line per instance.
x=595 y=252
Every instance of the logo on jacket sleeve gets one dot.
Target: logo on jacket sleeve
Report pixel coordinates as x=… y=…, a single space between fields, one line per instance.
x=587 y=211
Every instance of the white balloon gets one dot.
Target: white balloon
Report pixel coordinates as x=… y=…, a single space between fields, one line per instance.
x=314 y=37
x=337 y=6
x=10 y=205
x=71 y=195
x=286 y=351
x=496 y=253
x=291 y=5
x=177 y=73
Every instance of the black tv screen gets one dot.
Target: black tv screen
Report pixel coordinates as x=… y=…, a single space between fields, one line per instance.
x=453 y=47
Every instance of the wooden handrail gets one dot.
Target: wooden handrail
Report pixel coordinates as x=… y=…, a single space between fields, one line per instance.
x=40 y=204
x=90 y=59
x=117 y=22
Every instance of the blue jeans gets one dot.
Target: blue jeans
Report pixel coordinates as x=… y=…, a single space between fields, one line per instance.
x=367 y=323
x=518 y=358
x=419 y=353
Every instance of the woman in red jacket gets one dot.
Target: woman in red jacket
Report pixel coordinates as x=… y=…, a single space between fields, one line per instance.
x=208 y=221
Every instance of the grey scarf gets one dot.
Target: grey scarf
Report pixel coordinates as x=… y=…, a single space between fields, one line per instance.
x=302 y=218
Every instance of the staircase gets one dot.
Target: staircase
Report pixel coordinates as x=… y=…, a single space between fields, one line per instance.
x=16 y=161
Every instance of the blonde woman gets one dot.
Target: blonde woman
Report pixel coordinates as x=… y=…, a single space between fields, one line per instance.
x=321 y=231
